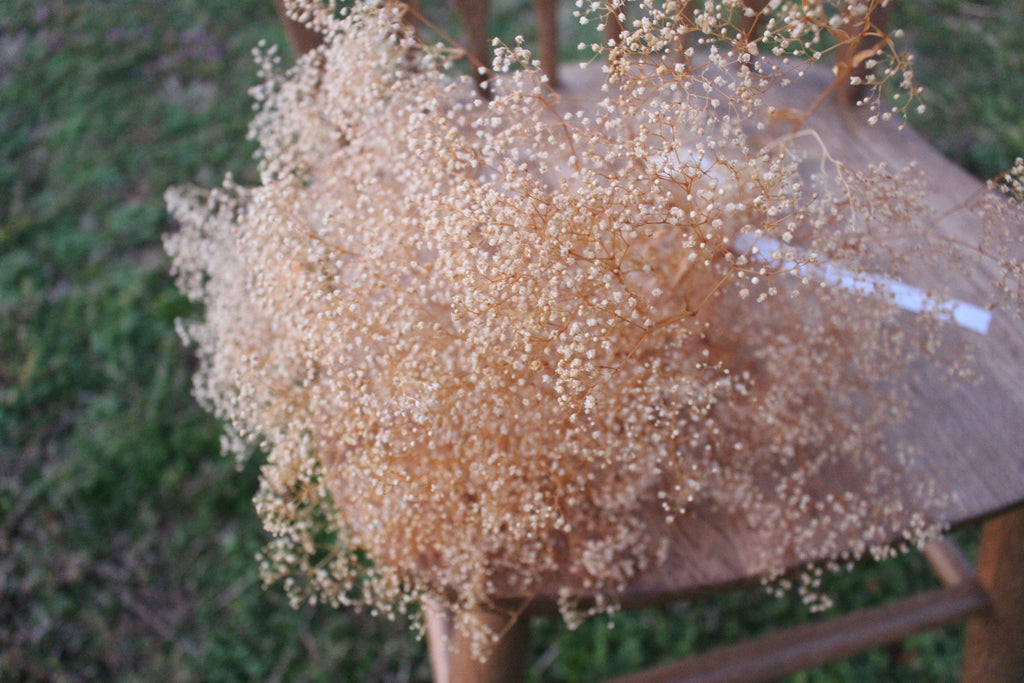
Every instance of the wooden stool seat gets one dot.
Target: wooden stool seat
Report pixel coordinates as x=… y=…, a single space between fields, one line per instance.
x=969 y=437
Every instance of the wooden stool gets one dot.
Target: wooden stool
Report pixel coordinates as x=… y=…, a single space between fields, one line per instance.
x=970 y=439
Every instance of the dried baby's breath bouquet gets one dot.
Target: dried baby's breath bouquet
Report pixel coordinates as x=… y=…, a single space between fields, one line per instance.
x=477 y=335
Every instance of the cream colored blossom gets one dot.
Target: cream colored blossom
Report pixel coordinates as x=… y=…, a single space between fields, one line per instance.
x=474 y=337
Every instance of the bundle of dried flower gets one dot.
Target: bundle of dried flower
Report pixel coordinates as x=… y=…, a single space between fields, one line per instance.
x=476 y=337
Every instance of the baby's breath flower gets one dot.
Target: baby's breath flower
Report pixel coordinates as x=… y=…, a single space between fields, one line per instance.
x=464 y=330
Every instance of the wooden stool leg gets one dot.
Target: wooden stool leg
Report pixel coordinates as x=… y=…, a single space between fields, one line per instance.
x=547 y=32
x=871 y=39
x=475 y=15
x=994 y=647
x=300 y=38
x=752 y=25
x=451 y=659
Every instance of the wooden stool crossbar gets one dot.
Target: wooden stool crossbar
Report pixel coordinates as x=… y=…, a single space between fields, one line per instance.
x=804 y=647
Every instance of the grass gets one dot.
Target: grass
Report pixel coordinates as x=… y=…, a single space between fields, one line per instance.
x=126 y=543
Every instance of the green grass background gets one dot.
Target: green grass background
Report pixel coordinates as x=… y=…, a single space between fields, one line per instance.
x=126 y=542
